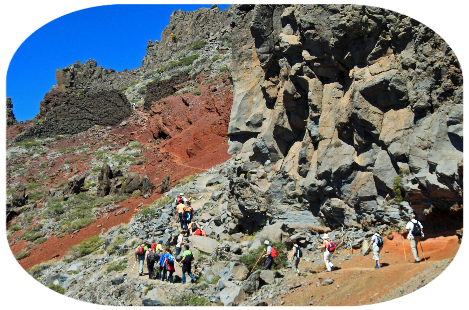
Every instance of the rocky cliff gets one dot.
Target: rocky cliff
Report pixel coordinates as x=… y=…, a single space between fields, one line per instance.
x=345 y=110
x=7 y=118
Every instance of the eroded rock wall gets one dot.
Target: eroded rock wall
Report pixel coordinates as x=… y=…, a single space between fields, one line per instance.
x=345 y=109
x=7 y=118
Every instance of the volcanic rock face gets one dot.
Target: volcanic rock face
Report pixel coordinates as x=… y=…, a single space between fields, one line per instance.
x=346 y=102
x=184 y=29
x=76 y=113
x=7 y=118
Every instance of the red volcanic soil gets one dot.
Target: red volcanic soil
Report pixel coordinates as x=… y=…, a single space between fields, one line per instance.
x=183 y=134
x=358 y=283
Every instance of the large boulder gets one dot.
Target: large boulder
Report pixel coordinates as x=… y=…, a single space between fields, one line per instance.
x=74 y=185
x=234 y=270
x=104 y=180
x=232 y=296
x=204 y=244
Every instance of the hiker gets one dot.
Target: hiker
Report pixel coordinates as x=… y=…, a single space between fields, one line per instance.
x=140 y=256
x=180 y=241
x=180 y=210
x=186 y=262
x=167 y=262
x=268 y=256
x=193 y=227
x=133 y=105
x=414 y=231
x=376 y=244
x=180 y=199
x=199 y=232
x=187 y=215
x=329 y=248
x=295 y=257
x=150 y=259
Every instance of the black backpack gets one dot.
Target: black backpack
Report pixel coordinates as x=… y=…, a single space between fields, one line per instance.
x=151 y=257
x=416 y=231
x=188 y=259
x=175 y=240
x=299 y=253
x=380 y=241
x=194 y=227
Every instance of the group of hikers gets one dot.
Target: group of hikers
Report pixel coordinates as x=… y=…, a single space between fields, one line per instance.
x=160 y=258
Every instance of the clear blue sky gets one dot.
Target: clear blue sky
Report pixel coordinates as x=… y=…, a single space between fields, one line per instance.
x=115 y=36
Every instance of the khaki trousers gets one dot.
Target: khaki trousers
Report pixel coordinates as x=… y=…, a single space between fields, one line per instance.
x=413 y=246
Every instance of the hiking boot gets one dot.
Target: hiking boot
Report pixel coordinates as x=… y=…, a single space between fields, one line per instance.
x=416 y=262
x=140 y=274
x=377 y=267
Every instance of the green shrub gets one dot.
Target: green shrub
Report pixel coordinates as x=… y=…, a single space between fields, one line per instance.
x=148 y=212
x=215 y=58
x=280 y=261
x=186 y=61
x=136 y=193
x=134 y=82
x=186 y=180
x=54 y=207
x=14 y=228
x=223 y=69
x=111 y=249
x=28 y=143
x=190 y=300
x=215 y=279
x=40 y=240
x=37 y=227
x=124 y=187
x=197 y=45
x=22 y=255
x=197 y=93
x=142 y=90
x=30 y=235
x=57 y=288
x=31 y=186
x=396 y=189
x=86 y=247
x=124 y=89
x=117 y=266
x=35 y=196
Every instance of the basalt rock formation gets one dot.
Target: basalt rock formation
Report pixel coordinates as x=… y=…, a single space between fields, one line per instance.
x=7 y=118
x=345 y=110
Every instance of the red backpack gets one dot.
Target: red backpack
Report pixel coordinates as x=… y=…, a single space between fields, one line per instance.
x=273 y=252
x=331 y=246
x=198 y=231
x=140 y=250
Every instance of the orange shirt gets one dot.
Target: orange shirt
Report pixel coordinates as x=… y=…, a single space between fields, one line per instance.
x=325 y=243
x=180 y=207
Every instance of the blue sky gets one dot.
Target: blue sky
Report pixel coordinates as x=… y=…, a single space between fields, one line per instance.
x=115 y=36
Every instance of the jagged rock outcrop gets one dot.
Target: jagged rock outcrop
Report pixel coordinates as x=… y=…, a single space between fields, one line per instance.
x=346 y=102
x=77 y=113
x=160 y=89
x=7 y=118
x=184 y=29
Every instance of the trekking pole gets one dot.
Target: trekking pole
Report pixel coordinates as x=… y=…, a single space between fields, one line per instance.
x=133 y=267
x=405 y=256
x=422 y=251
x=258 y=260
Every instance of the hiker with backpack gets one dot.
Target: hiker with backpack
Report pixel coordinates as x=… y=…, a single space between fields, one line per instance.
x=186 y=262
x=295 y=257
x=150 y=258
x=270 y=254
x=188 y=215
x=140 y=256
x=329 y=248
x=180 y=210
x=167 y=262
x=414 y=231
x=376 y=244
x=178 y=241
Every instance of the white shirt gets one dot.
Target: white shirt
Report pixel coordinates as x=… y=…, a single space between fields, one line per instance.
x=374 y=239
x=410 y=226
x=179 y=241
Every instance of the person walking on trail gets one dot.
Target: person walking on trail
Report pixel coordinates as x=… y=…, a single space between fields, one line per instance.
x=186 y=261
x=268 y=256
x=193 y=227
x=150 y=259
x=180 y=210
x=140 y=256
x=414 y=231
x=295 y=257
x=180 y=241
x=168 y=265
x=376 y=244
x=187 y=215
x=181 y=199
x=329 y=248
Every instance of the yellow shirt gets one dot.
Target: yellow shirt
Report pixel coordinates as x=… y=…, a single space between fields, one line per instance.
x=180 y=207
